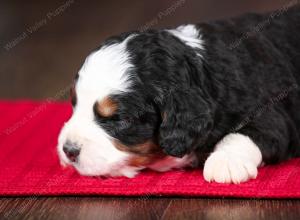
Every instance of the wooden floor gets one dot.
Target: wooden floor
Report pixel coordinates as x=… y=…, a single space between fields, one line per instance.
x=77 y=208
x=41 y=64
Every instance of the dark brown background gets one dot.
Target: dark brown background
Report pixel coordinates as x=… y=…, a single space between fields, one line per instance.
x=42 y=65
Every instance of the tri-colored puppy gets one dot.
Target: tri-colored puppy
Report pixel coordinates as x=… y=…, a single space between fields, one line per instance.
x=161 y=99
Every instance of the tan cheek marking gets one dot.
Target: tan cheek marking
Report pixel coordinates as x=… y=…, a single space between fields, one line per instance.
x=145 y=148
x=139 y=161
x=144 y=160
x=144 y=154
x=107 y=107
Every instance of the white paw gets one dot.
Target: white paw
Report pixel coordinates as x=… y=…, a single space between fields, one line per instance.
x=234 y=160
x=222 y=168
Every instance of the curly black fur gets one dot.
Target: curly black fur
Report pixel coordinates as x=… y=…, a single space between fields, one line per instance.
x=188 y=103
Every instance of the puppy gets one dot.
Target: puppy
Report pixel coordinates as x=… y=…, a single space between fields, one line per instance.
x=226 y=91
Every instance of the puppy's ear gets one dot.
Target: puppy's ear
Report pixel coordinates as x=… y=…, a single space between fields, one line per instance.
x=187 y=118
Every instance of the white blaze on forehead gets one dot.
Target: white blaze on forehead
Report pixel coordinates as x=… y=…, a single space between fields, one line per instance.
x=189 y=34
x=103 y=72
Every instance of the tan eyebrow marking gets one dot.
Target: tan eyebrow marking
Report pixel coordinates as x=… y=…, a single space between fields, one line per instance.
x=106 y=107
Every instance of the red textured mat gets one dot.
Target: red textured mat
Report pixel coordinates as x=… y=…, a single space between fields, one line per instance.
x=29 y=165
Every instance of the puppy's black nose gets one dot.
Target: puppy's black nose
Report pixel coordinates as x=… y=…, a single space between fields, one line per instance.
x=71 y=150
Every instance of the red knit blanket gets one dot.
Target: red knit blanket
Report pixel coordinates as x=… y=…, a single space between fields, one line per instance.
x=29 y=165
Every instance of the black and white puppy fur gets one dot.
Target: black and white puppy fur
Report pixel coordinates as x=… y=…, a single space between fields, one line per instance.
x=164 y=99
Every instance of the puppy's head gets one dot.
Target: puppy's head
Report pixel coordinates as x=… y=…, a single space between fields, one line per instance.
x=128 y=112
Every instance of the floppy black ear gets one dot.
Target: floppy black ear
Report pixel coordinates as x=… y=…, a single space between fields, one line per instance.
x=187 y=117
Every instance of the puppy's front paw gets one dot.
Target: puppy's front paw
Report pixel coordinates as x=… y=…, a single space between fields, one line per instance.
x=222 y=168
x=234 y=160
